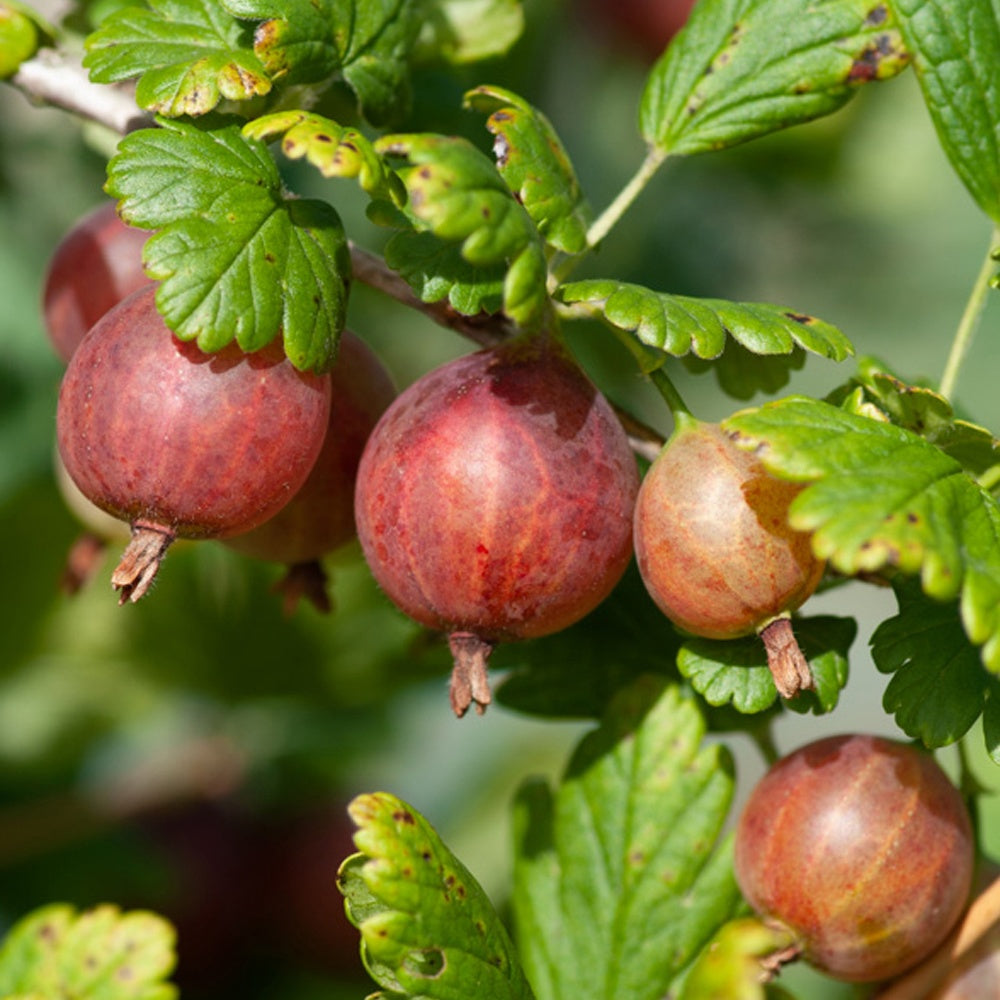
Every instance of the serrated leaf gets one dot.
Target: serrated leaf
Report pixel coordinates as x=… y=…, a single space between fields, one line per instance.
x=458 y=195
x=618 y=878
x=576 y=672
x=956 y=51
x=334 y=150
x=742 y=374
x=732 y=966
x=734 y=672
x=742 y=68
x=938 y=688
x=427 y=927
x=366 y=42
x=465 y=31
x=436 y=270
x=881 y=498
x=533 y=162
x=679 y=324
x=60 y=954
x=925 y=412
x=188 y=55
x=236 y=258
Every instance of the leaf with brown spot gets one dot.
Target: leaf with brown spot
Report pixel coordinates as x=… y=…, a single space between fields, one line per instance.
x=188 y=55
x=427 y=928
x=57 y=952
x=883 y=499
x=742 y=68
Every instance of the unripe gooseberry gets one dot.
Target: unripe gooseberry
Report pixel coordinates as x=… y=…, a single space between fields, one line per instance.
x=863 y=848
x=715 y=549
x=96 y=265
x=180 y=443
x=320 y=517
x=494 y=501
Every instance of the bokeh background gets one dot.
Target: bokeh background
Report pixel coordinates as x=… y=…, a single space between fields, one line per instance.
x=194 y=753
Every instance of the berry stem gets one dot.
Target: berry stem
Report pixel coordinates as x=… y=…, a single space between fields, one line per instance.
x=469 y=682
x=981 y=916
x=788 y=666
x=970 y=317
x=140 y=561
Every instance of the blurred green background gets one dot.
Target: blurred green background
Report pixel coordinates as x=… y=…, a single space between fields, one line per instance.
x=186 y=752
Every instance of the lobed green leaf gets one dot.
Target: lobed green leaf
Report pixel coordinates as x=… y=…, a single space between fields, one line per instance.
x=58 y=953
x=427 y=928
x=956 y=51
x=533 y=162
x=735 y=672
x=742 y=68
x=938 y=688
x=679 y=324
x=335 y=150
x=236 y=258
x=188 y=55
x=618 y=878
x=365 y=42
x=456 y=194
x=883 y=498
x=922 y=410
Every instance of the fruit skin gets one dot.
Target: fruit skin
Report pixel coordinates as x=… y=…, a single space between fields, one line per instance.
x=320 y=517
x=96 y=265
x=863 y=847
x=180 y=443
x=495 y=496
x=712 y=538
x=646 y=25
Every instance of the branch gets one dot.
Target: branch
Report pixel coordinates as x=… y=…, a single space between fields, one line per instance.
x=50 y=78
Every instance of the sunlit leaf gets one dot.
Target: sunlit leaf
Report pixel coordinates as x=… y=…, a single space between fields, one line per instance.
x=742 y=68
x=188 y=55
x=236 y=257
x=427 y=928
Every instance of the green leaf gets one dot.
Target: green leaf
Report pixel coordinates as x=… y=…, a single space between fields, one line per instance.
x=188 y=55
x=742 y=374
x=576 y=672
x=335 y=150
x=732 y=966
x=742 y=68
x=436 y=270
x=365 y=42
x=457 y=194
x=734 y=672
x=56 y=953
x=427 y=928
x=678 y=324
x=939 y=687
x=235 y=256
x=465 y=31
x=618 y=879
x=533 y=162
x=923 y=411
x=956 y=51
x=884 y=498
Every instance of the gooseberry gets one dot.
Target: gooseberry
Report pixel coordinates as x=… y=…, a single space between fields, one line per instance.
x=715 y=549
x=863 y=848
x=494 y=501
x=320 y=517
x=180 y=443
x=96 y=265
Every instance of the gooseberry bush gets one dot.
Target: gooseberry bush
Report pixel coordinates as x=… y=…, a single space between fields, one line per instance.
x=518 y=514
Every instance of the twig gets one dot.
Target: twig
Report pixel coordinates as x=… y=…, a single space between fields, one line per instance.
x=50 y=78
